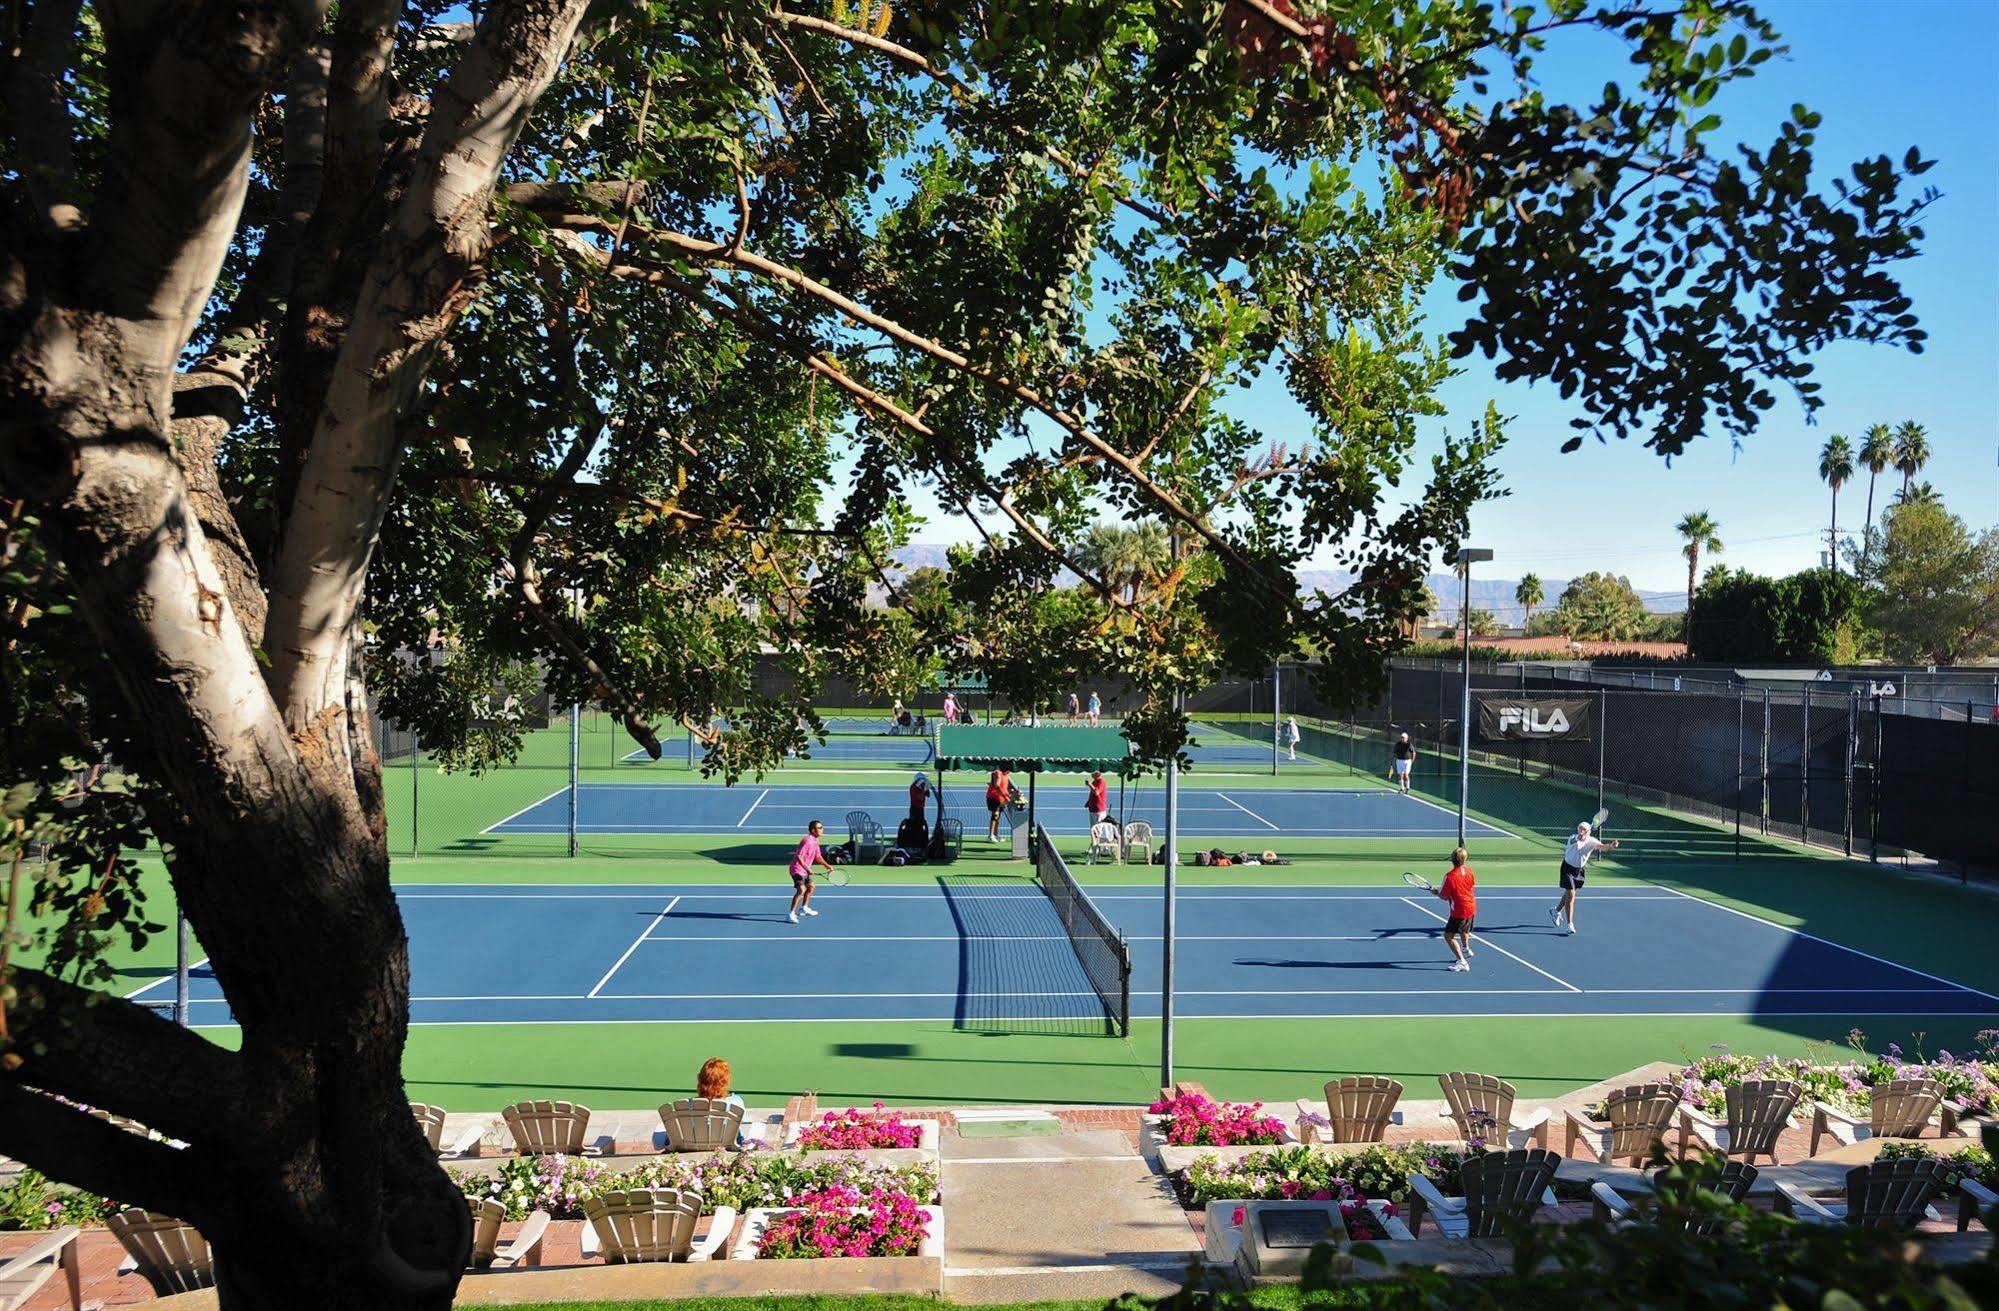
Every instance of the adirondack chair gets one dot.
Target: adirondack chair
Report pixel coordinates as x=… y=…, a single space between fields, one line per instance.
x=1638 y=1118
x=1138 y=834
x=1880 y=1195
x=431 y=1119
x=23 y=1274
x=1359 y=1109
x=545 y=1128
x=1611 y=1207
x=169 y=1254
x=1500 y=1188
x=1974 y=1202
x=523 y=1249
x=1481 y=1106
x=1759 y=1110
x=652 y=1224
x=1899 y=1108
x=701 y=1124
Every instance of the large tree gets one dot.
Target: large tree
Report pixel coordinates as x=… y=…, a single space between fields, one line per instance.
x=347 y=357
x=1932 y=585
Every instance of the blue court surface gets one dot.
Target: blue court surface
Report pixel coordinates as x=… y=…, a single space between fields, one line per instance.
x=989 y=954
x=788 y=807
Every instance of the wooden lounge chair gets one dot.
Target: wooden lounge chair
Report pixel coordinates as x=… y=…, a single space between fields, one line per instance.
x=1481 y=1106
x=1899 y=1108
x=1880 y=1195
x=23 y=1274
x=1500 y=1188
x=1974 y=1202
x=545 y=1128
x=431 y=1119
x=652 y=1224
x=523 y=1249
x=167 y=1253
x=1759 y=1110
x=1637 y=1119
x=1138 y=834
x=1359 y=1109
x=700 y=1124
x=1105 y=840
x=1611 y=1207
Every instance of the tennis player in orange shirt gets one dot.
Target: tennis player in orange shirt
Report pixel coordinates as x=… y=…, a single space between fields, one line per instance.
x=1460 y=891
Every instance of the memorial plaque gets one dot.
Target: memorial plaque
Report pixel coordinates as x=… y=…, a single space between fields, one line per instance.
x=1302 y=1227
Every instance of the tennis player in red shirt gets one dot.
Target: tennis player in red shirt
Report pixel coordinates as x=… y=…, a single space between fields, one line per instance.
x=1460 y=890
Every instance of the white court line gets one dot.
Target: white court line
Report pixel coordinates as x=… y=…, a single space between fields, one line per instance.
x=1246 y=810
x=1813 y=937
x=753 y=808
x=1401 y=1016
x=1136 y=992
x=525 y=809
x=168 y=977
x=643 y=935
x=1024 y=937
x=1026 y=894
x=1485 y=941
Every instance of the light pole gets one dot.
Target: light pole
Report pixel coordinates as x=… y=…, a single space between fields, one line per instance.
x=1467 y=556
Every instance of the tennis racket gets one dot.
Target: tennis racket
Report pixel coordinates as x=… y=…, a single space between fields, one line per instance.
x=839 y=877
x=1596 y=820
x=1415 y=880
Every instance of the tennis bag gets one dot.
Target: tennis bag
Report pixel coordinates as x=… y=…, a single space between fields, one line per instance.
x=912 y=834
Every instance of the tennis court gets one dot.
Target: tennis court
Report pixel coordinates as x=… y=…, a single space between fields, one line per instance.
x=990 y=953
x=1205 y=812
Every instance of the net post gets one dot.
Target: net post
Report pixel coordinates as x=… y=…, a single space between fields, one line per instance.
x=1805 y=772
x=1741 y=716
x=181 y=954
x=1874 y=793
x=1602 y=740
x=575 y=770
x=1764 y=767
x=1852 y=729
x=1276 y=713
x=416 y=791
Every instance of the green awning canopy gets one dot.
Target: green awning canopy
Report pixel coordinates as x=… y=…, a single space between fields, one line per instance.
x=1030 y=750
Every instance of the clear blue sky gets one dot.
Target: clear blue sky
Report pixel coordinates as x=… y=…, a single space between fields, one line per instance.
x=1885 y=77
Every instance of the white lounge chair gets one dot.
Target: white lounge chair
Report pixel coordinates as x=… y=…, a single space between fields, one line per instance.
x=1481 y=1106
x=1106 y=840
x=1974 y=1202
x=700 y=1124
x=169 y=1254
x=23 y=1274
x=1880 y=1195
x=1636 y=1119
x=1138 y=835
x=431 y=1120
x=652 y=1224
x=548 y=1128
x=523 y=1249
x=1359 y=1109
x=1500 y=1188
x=1758 y=1112
x=1612 y=1207
x=1897 y=1108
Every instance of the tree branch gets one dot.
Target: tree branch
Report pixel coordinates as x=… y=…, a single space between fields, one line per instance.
x=39 y=108
x=426 y=270
x=114 y=1054
x=96 y=1155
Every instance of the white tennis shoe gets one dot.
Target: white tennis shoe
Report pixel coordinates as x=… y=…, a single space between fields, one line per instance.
x=808 y=910
x=793 y=917
x=1555 y=916
x=1460 y=967
x=1572 y=928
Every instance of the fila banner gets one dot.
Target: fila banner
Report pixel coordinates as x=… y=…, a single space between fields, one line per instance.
x=1535 y=719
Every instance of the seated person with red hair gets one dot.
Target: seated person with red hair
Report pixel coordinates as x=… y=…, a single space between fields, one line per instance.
x=713 y=1083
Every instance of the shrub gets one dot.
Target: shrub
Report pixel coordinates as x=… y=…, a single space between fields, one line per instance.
x=1192 y=1120
x=1378 y=1171
x=841 y=1222
x=1964 y=1163
x=30 y=1201
x=559 y=1185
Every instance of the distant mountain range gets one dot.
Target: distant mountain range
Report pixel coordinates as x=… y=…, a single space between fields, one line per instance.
x=1494 y=594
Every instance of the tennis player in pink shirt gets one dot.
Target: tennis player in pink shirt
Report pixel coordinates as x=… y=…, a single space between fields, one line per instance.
x=809 y=853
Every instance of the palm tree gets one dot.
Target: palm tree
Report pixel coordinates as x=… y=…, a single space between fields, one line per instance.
x=1919 y=494
x=1912 y=450
x=1529 y=595
x=1702 y=534
x=1835 y=470
x=1877 y=452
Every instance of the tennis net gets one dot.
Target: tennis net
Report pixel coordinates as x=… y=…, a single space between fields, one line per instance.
x=1100 y=949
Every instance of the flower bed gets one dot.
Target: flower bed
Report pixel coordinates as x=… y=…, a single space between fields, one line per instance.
x=560 y=1184
x=1970 y=1082
x=1376 y=1172
x=30 y=1201
x=1193 y=1120
x=1363 y=1219
x=839 y=1222
x=860 y=1131
x=1964 y=1163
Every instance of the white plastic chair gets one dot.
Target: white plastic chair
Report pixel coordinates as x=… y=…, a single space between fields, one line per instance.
x=1105 y=840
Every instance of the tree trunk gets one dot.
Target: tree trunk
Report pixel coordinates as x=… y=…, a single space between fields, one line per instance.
x=1693 y=566
x=1833 y=537
x=1867 y=533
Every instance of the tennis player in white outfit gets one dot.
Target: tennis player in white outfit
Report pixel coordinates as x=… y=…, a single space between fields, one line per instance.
x=1575 y=860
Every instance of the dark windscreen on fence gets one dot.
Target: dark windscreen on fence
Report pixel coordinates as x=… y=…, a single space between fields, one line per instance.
x=1939 y=787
